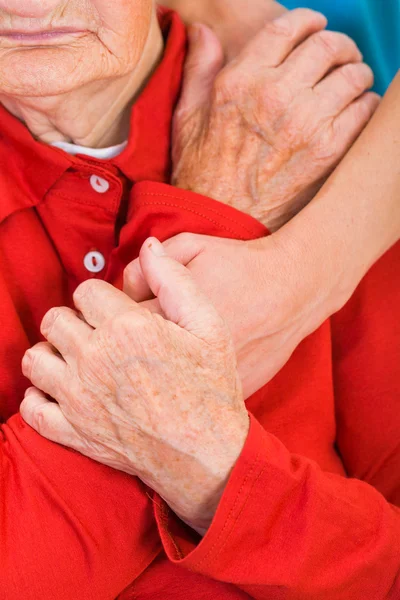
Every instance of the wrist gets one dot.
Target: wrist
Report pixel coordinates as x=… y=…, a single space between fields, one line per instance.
x=304 y=275
x=197 y=500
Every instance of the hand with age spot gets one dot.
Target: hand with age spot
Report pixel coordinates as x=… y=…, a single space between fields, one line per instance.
x=157 y=398
x=264 y=132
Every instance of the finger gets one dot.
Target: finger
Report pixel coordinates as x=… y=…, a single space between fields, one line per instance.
x=183 y=247
x=318 y=55
x=351 y=122
x=45 y=369
x=180 y=299
x=344 y=85
x=280 y=37
x=65 y=331
x=99 y=302
x=204 y=60
x=47 y=419
x=135 y=285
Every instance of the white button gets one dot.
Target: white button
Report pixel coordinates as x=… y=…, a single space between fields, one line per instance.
x=99 y=184
x=94 y=262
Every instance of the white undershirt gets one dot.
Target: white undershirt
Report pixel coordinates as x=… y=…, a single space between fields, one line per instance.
x=100 y=153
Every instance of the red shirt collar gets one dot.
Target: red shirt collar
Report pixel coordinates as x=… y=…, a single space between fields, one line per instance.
x=29 y=169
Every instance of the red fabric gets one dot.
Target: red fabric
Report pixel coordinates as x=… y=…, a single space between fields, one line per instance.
x=286 y=528
x=366 y=367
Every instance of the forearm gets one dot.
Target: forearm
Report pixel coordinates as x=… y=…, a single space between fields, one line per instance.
x=354 y=219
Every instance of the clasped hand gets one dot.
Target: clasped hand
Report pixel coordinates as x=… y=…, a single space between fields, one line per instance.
x=157 y=398
x=263 y=133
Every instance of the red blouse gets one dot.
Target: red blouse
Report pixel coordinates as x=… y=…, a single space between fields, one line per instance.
x=291 y=525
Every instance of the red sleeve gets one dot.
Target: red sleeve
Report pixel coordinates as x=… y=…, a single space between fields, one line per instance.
x=69 y=527
x=285 y=529
x=366 y=371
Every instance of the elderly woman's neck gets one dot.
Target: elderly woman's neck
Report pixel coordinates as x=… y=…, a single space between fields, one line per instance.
x=95 y=116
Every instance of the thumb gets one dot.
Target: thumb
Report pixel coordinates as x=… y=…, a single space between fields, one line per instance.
x=181 y=300
x=204 y=61
x=183 y=247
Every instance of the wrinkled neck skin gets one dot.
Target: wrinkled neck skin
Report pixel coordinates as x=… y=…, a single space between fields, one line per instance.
x=96 y=115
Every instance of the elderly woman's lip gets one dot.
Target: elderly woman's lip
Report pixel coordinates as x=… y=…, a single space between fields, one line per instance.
x=40 y=35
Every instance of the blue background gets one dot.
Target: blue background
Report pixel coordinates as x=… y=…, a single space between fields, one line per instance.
x=373 y=24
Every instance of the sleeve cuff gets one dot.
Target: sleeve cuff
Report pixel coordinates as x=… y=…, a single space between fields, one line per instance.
x=189 y=550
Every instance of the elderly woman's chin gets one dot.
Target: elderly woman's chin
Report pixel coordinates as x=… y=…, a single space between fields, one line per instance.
x=38 y=71
x=48 y=47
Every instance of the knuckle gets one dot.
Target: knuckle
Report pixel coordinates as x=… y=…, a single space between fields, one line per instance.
x=39 y=420
x=358 y=76
x=126 y=327
x=231 y=83
x=125 y=337
x=282 y=27
x=363 y=113
x=86 y=290
x=328 y=41
x=326 y=151
x=352 y=76
x=50 y=319
x=27 y=363
x=32 y=363
x=364 y=109
x=225 y=83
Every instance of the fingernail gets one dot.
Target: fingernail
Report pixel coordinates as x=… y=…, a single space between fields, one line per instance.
x=156 y=247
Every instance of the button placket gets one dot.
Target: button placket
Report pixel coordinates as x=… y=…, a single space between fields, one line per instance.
x=85 y=202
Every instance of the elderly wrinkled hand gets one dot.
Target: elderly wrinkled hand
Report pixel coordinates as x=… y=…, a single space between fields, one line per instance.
x=264 y=132
x=159 y=399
